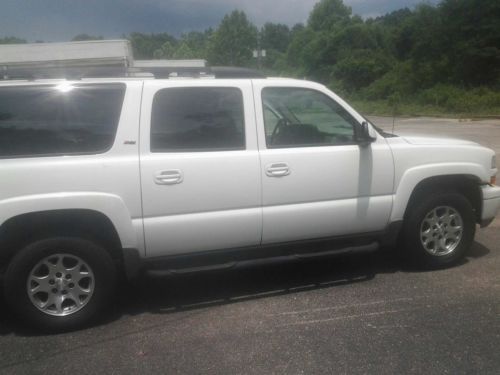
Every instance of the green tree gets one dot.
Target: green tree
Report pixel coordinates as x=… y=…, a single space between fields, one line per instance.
x=197 y=42
x=233 y=41
x=300 y=49
x=329 y=14
x=471 y=35
x=145 y=46
x=183 y=51
x=314 y=48
x=275 y=36
x=166 y=51
x=361 y=68
x=11 y=40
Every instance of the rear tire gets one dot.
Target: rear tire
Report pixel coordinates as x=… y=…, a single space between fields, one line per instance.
x=439 y=229
x=60 y=283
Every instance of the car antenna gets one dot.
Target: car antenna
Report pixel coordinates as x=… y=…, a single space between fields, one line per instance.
x=395 y=101
x=393 y=120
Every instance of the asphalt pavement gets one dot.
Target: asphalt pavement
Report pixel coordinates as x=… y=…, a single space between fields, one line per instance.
x=339 y=315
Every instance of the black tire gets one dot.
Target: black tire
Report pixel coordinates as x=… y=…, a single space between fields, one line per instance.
x=21 y=266
x=418 y=211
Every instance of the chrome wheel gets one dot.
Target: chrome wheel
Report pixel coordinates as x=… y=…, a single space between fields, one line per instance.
x=441 y=230
x=61 y=284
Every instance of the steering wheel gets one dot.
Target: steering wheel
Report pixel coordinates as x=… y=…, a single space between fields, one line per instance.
x=342 y=138
x=281 y=123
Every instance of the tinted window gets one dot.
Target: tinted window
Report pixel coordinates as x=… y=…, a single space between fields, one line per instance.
x=59 y=119
x=296 y=117
x=197 y=119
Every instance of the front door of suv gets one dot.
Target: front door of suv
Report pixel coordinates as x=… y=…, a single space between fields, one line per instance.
x=317 y=180
x=200 y=170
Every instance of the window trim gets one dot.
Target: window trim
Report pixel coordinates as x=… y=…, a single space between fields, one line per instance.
x=62 y=154
x=356 y=125
x=198 y=150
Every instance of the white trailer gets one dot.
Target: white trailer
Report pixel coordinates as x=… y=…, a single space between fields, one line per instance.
x=53 y=59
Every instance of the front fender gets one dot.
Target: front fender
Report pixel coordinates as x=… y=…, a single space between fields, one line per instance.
x=413 y=176
x=110 y=205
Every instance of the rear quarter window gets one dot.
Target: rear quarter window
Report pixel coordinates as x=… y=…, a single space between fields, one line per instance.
x=65 y=119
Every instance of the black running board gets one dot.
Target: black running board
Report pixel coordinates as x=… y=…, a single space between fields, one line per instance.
x=368 y=248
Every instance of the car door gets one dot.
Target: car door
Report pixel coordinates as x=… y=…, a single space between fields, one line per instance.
x=200 y=168
x=317 y=181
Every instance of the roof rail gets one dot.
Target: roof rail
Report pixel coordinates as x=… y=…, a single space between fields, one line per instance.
x=218 y=72
x=33 y=72
x=233 y=72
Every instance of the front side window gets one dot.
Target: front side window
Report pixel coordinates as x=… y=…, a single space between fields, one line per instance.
x=60 y=119
x=197 y=119
x=298 y=117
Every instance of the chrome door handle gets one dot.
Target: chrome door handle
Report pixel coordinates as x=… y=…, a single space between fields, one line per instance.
x=278 y=170
x=169 y=177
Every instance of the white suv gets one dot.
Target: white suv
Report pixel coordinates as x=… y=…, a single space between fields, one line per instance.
x=101 y=176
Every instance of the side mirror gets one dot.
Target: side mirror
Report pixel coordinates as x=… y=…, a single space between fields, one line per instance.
x=366 y=134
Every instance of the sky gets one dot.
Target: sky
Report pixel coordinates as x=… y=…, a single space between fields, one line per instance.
x=61 y=20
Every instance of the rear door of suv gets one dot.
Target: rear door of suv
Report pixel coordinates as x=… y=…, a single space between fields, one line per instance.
x=200 y=169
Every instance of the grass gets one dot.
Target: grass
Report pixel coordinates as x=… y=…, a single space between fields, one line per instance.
x=384 y=108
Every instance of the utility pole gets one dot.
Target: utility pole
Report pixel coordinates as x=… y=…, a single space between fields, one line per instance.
x=259 y=54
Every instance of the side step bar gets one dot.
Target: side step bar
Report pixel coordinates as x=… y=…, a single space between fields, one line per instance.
x=371 y=247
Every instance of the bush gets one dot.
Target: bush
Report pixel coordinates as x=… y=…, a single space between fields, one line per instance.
x=458 y=100
x=393 y=94
x=361 y=68
x=395 y=81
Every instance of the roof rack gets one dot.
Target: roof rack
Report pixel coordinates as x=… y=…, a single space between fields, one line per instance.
x=218 y=72
x=79 y=72
x=233 y=72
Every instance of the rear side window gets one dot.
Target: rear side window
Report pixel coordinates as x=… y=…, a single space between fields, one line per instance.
x=59 y=119
x=197 y=119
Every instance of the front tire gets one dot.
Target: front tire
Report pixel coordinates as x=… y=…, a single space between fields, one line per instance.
x=59 y=284
x=439 y=229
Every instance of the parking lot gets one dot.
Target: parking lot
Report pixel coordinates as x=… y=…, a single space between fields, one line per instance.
x=343 y=315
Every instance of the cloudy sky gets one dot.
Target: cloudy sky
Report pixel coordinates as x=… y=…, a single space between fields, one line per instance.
x=60 y=20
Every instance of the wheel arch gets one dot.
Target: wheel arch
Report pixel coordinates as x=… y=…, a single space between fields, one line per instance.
x=109 y=205
x=466 y=184
x=90 y=224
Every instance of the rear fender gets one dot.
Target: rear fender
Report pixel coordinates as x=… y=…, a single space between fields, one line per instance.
x=112 y=206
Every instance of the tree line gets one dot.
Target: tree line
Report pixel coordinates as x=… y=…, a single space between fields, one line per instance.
x=443 y=57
